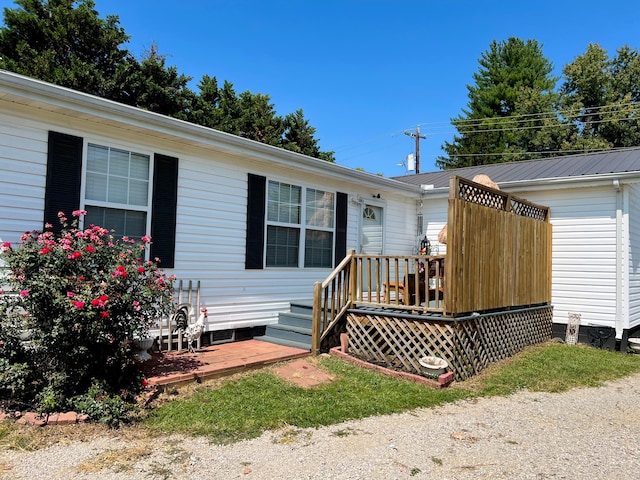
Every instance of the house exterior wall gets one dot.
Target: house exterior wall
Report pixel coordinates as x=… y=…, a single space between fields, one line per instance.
x=585 y=275
x=434 y=214
x=23 y=154
x=211 y=222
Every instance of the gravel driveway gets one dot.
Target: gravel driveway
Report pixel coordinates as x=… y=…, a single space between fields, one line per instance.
x=581 y=434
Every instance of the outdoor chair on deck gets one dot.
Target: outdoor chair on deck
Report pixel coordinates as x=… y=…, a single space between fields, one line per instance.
x=435 y=291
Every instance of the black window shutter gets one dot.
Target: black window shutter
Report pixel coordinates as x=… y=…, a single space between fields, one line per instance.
x=64 y=174
x=341 y=227
x=163 y=209
x=254 y=253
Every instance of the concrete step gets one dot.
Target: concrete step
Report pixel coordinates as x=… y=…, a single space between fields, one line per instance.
x=304 y=307
x=286 y=343
x=289 y=332
x=294 y=319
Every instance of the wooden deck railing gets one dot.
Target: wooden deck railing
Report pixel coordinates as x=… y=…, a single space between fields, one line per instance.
x=498 y=257
x=385 y=281
x=413 y=282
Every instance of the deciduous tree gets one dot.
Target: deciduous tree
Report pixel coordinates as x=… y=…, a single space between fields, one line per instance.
x=601 y=95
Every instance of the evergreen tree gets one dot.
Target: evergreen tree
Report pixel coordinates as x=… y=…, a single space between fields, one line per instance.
x=66 y=42
x=299 y=137
x=507 y=117
x=152 y=85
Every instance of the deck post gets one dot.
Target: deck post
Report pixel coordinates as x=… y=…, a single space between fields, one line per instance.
x=317 y=316
x=353 y=276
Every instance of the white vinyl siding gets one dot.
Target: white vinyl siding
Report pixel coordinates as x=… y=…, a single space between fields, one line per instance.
x=23 y=169
x=584 y=252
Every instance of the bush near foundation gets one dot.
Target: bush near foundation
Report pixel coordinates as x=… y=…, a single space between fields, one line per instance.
x=75 y=303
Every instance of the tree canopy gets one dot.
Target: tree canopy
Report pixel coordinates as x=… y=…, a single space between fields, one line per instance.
x=516 y=113
x=66 y=42
x=601 y=95
x=506 y=117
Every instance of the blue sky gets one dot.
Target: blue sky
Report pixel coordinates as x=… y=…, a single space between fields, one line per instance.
x=364 y=71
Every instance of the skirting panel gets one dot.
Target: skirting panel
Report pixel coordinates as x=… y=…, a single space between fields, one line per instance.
x=469 y=345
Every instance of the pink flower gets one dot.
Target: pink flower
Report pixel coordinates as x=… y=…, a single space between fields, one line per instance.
x=104 y=298
x=79 y=213
x=48 y=225
x=71 y=294
x=136 y=305
x=146 y=238
x=45 y=250
x=24 y=293
x=145 y=382
x=6 y=244
x=104 y=314
x=79 y=304
x=95 y=302
x=60 y=214
x=90 y=249
x=141 y=269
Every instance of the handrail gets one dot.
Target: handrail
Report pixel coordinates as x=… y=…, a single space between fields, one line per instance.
x=331 y=299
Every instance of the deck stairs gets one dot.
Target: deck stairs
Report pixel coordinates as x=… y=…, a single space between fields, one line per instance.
x=293 y=328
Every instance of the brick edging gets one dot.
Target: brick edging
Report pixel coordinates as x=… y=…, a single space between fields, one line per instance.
x=35 y=419
x=67 y=418
x=443 y=381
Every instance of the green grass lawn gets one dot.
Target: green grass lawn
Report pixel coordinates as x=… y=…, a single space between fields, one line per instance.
x=246 y=406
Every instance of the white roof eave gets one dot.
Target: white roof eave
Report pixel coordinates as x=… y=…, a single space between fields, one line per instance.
x=28 y=91
x=602 y=179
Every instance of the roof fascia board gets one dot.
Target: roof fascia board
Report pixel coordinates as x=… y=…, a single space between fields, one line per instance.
x=553 y=183
x=43 y=93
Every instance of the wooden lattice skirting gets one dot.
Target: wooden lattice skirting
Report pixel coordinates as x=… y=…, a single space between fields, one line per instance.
x=469 y=344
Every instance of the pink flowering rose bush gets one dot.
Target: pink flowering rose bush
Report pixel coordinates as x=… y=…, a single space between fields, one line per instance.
x=79 y=299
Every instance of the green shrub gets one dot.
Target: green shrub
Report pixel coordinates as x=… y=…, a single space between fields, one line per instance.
x=79 y=300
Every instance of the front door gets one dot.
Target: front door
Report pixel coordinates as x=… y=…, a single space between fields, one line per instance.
x=371 y=238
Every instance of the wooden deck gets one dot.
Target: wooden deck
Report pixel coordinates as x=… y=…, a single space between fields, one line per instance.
x=175 y=368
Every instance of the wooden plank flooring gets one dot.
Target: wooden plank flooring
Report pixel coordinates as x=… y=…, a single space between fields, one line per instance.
x=173 y=368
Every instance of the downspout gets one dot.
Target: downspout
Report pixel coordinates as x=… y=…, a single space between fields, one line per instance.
x=622 y=287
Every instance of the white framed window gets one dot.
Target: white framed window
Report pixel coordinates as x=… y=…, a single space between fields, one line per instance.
x=117 y=190
x=295 y=235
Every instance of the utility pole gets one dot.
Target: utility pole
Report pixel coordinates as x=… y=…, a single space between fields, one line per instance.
x=418 y=137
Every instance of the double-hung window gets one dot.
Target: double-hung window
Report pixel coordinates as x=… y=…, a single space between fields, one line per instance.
x=300 y=226
x=320 y=220
x=116 y=190
x=132 y=193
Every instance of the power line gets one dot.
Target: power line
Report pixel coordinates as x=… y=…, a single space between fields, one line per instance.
x=525 y=117
x=582 y=150
x=532 y=127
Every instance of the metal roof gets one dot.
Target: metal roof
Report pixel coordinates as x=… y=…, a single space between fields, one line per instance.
x=585 y=165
